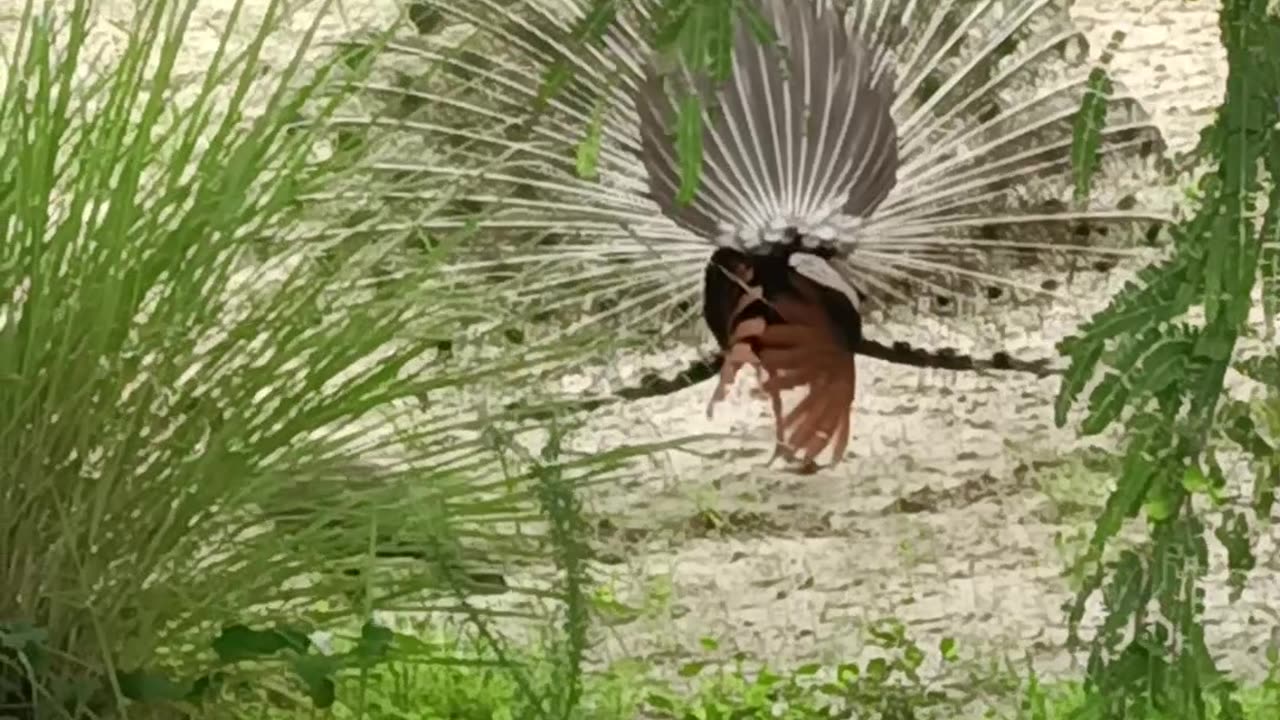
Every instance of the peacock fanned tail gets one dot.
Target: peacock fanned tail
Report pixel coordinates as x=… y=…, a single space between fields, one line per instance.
x=875 y=155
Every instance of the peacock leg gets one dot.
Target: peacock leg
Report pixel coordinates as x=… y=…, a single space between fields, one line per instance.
x=741 y=342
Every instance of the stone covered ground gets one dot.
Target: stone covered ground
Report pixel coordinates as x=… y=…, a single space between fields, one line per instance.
x=960 y=502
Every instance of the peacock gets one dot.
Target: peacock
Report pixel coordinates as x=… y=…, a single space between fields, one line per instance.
x=858 y=157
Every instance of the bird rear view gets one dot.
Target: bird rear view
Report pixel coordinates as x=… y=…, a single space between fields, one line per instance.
x=799 y=148
x=872 y=159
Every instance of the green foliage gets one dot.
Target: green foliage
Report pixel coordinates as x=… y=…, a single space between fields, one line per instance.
x=1086 y=135
x=1165 y=382
x=1070 y=701
x=699 y=34
x=208 y=425
x=889 y=687
x=469 y=682
x=442 y=674
x=238 y=645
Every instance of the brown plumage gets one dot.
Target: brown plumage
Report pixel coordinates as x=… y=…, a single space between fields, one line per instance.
x=799 y=334
x=802 y=147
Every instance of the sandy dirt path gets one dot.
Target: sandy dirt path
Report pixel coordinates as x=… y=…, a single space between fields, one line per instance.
x=960 y=501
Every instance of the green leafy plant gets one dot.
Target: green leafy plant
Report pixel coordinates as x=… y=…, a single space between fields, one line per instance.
x=1168 y=341
x=889 y=687
x=473 y=683
x=237 y=646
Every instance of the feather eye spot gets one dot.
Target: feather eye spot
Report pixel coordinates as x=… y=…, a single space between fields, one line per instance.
x=943 y=305
x=1104 y=265
x=994 y=292
x=1128 y=202
x=1050 y=285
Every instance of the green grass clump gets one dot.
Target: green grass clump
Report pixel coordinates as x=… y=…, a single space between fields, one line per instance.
x=893 y=685
x=209 y=426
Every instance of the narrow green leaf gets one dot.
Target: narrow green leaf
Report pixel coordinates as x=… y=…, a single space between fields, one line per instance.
x=22 y=636
x=589 y=147
x=1215 y=261
x=1086 y=137
x=597 y=21
x=1084 y=358
x=1269 y=261
x=1162 y=501
x=670 y=20
x=239 y=642
x=947 y=647
x=316 y=673
x=1194 y=481
x=692 y=43
x=766 y=678
x=760 y=26
x=374 y=645
x=692 y=669
x=689 y=147
x=1164 y=364
x=554 y=79
x=1146 y=434
x=719 y=42
x=661 y=701
x=1106 y=402
x=205 y=687
x=149 y=687
x=1262 y=368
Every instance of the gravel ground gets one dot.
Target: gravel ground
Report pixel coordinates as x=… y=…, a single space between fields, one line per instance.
x=960 y=499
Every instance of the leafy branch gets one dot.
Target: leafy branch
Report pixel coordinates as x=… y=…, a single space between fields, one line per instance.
x=1165 y=379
